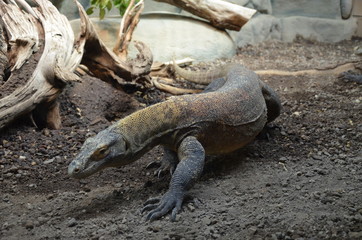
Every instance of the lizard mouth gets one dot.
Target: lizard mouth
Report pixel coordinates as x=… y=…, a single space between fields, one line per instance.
x=77 y=171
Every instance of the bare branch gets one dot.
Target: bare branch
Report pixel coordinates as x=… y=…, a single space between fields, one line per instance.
x=221 y=14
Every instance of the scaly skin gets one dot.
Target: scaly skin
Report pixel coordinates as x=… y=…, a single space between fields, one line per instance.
x=228 y=115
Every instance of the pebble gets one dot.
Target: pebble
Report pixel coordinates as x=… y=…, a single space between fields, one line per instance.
x=72 y=222
x=49 y=161
x=355 y=235
x=29 y=206
x=283 y=159
x=317 y=157
x=29 y=224
x=191 y=207
x=206 y=221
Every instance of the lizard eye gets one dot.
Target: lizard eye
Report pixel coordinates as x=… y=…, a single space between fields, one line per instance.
x=101 y=153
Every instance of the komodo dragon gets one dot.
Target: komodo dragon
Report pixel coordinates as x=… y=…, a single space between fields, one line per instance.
x=226 y=116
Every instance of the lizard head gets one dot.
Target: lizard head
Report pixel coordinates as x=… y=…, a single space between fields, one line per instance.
x=107 y=149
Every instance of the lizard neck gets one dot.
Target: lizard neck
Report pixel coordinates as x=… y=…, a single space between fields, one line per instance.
x=145 y=128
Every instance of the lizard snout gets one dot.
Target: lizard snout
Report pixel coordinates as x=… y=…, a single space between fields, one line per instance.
x=73 y=169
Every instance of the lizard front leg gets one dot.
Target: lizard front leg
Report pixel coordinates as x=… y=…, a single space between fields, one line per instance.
x=192 y=158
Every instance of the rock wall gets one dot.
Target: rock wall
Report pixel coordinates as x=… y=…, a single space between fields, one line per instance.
x=320 y=20
x=283 y=20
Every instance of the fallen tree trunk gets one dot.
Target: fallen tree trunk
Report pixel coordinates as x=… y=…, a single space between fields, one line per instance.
x=221 y=14
x=42 y=58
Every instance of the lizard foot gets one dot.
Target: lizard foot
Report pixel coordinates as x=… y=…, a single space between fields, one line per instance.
x=159 y=207
x=163 y=167
x=267 y=131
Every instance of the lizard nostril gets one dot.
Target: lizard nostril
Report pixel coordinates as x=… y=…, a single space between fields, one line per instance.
x=76 y=169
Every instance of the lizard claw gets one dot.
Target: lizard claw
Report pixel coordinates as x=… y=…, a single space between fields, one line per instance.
x=159 y=207
x=162 y=167
x=153 y=164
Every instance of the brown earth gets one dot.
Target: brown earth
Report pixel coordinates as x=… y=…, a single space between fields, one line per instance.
x=304 y=183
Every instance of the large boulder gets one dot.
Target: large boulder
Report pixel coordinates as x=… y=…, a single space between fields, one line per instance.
x=307 y=8
x=287 y=29
x=319 y=29
x=170 y=35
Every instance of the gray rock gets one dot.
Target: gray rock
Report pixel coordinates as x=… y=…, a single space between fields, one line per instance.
x=258 y=29
x=72 y=222
x=29 y=224
x=319 y=29
x=266 y=27
x=68 y=8
x=307 y=8
x=263 y=6
x=179 y=36
x=153 y=6
x=355 y=235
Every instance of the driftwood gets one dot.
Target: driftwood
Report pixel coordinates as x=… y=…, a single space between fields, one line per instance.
x=107 y=66
x=38 y=57
x=128 y=24
x=43 y=46
x=221 y=14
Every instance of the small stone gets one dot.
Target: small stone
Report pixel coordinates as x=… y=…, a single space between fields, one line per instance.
x=206 y=221
x=5 y=225
x=156 y=228
x=49 y=161
x=191 y=207
x=279 y=235
x=321 y=171
x=46 y=132
x=317 y=157
x=29 y=224
x=72 y=222
x=283 y=159
x=252 y=230
x=355 y=235
x=284 y=183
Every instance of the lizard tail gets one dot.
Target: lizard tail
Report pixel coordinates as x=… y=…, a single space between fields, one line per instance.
x=201 y=77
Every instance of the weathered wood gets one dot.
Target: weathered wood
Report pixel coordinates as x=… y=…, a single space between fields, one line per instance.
x=39 y=48
x=3 y=58
x=107 y=66
x=221 y=14
x=128 y=24
x=50 y=36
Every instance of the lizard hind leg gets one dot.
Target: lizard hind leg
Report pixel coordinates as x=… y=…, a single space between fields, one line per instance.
x=215 y=85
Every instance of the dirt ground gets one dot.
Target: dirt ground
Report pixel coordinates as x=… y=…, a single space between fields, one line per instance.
x=303 y=183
